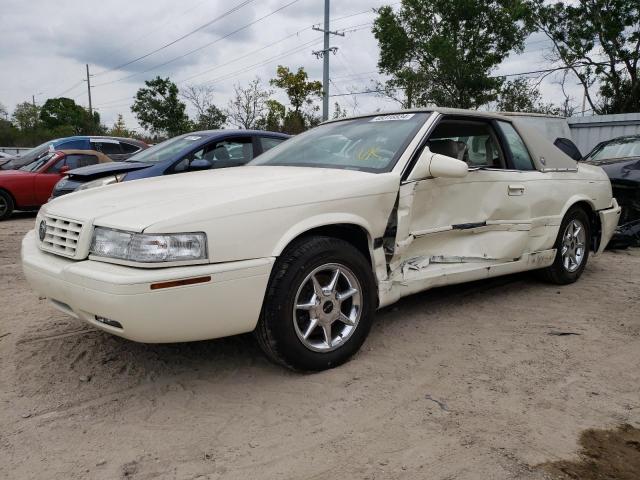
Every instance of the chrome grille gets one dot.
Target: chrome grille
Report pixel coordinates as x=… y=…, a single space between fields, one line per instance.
x=62 y=236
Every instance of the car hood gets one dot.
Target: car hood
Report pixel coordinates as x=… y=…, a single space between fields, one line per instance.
x=227 y=192
x=14 y=173
x=104 y=169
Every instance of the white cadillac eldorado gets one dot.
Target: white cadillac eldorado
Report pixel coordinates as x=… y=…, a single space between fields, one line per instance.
x=304 y=244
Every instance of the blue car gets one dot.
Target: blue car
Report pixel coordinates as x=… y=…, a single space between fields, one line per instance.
x=116 y=148
x=185 y=153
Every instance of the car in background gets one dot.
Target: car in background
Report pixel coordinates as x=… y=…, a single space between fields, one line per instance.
x=116 y=148
x=185 y=153
x=620 y=159
x=5 y=158
x=29 y=187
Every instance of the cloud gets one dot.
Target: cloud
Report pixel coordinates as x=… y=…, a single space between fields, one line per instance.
x=45 y=46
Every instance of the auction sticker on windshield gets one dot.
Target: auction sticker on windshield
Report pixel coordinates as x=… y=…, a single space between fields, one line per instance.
x=387 y=118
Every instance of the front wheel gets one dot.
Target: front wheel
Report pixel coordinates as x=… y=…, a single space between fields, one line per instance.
x=6 y=205
x=572 y=247
x=319 y=305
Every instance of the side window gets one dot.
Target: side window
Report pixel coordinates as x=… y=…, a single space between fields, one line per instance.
x=473 y=142
x=128 y=148
x=108 y=148
x=224 y=153
x=519 y=153
x=72 y=145
x=268 y=143
x=78 y=161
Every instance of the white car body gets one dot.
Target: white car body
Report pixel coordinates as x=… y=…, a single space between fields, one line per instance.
x=417 y=232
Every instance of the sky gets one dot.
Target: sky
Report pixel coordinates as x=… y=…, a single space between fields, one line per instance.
x=45 y=45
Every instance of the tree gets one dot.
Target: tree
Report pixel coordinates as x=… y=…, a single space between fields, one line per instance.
x=443 y=52
x=66 y=117
x=158 y=108
x=4 y=114
x=25 y=116
x=208 y=116
x=298 y=88
x=119 y=128
x=273 y=119
x=599 y=41
x=301 y=93
x=521 y=96
x=248 y=105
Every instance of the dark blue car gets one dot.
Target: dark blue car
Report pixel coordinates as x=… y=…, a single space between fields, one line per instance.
x=185 y=153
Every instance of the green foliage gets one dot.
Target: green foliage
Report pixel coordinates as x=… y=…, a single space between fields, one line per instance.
x=211 y=119
x=25 y=116
x=298 y=88
x=442 y=52
x=120 y=129
x=520 y=96
x=599 y=40
x=301 y=93
x=64 y=115
x=273 y=120
x=158 y=108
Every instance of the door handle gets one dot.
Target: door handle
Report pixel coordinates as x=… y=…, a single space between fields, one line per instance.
x=516 y=190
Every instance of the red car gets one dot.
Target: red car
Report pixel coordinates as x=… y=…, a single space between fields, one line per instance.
x=30 y=186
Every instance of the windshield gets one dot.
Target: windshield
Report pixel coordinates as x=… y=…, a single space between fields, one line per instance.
x=620 y=148
x=38 y=163
x=31 y=155
x=371 y=144
x=166 y=150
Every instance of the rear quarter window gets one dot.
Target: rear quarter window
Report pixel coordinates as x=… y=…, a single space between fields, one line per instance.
x=519 y=153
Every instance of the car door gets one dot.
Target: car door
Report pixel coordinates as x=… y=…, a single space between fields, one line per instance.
x=482 y=218
x=46 y=180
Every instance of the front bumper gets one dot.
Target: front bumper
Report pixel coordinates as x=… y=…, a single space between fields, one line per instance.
x=228 y=304
x=608 y=222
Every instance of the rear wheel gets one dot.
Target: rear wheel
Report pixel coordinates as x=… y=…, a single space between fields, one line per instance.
x=572 y=247
x=319 y=305
x=6 y=205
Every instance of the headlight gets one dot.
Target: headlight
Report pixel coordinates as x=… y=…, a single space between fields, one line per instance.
x=101 y=182
x=149 y=248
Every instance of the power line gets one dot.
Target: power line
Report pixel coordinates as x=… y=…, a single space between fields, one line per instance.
x=199 y=48
x=173 y=42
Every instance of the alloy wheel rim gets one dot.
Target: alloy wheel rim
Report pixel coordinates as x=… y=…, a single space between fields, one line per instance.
x=327 y=307
x=573 y=246
x=3 y=206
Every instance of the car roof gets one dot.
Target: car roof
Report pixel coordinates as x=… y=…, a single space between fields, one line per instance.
x=88 y=137
x=238 y=132
x=507 y=116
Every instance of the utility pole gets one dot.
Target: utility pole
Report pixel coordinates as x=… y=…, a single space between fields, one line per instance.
x=324 y=54
x=89 y=91
x=33 y=100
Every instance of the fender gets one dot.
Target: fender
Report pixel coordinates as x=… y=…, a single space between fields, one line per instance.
x=325 y=220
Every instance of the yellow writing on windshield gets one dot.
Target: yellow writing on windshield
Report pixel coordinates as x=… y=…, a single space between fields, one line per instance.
x=371 y=152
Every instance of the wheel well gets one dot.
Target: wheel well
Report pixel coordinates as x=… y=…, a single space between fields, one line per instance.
x=594 y=220
x=353 y=234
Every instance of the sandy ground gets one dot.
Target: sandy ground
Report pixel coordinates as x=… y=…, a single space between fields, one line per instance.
x=465 y=382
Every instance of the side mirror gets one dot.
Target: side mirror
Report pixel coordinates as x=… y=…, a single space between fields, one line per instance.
x=64 y=169
x=436 y=165
x=199 y=164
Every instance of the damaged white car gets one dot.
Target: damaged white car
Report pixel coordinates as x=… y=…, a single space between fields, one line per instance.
x=304 y=244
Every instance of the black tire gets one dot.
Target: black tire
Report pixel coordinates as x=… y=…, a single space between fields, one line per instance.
x=6 y=205
x=558 y=273
x=276 y=333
